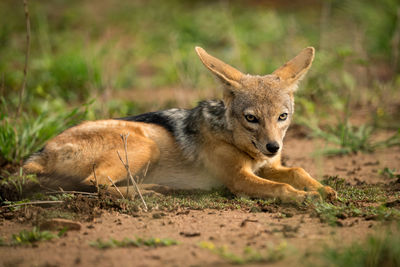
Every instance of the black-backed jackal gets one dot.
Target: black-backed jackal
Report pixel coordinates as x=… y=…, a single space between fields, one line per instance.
x=236 y=142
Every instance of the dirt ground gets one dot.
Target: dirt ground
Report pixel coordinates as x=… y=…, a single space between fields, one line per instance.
x=303 y=234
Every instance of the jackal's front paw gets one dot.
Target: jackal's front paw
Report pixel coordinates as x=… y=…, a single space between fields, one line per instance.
x=328 y=193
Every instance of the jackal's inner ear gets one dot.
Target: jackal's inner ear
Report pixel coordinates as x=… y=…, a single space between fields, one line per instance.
x=227 y=74
x=295 y=69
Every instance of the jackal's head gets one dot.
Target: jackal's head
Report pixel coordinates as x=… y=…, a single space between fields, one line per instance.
x=259 y=108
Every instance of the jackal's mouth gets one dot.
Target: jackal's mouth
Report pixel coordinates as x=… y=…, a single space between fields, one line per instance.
x=268 y=154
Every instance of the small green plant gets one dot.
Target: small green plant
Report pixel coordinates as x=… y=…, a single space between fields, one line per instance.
x=250 y=255
x=62 y=232
x=377 y=250
x=389 y=173
x=16 y=182
x=350 y=139
x=26 y=237
x=330 y=213
x=30 y=237
x=138 y=242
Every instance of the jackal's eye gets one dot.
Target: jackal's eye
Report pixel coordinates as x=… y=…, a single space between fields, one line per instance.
x=251 y=118
x=283 y=116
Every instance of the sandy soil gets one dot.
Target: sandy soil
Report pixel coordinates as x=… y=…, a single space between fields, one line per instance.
x=304 y=234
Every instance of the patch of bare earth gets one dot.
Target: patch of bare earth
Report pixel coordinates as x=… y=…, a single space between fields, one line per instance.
x=235 y=229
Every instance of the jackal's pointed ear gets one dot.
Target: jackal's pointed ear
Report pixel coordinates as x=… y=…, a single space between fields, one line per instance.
x=295 y=69
x=227 y=74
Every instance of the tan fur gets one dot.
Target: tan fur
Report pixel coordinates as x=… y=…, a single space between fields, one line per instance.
x=236 y=157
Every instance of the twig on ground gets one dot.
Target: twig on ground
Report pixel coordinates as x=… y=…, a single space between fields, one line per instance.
x=28 y=43
x=34 y=203
x=147 y=168
x=126 y=165
x=62 y=191
x=71 y=192
x=116 y=187
x=127 y=180
x=127 y=185
x=145 y=171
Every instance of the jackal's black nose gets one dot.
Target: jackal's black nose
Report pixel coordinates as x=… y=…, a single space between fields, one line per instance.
x=273 y=147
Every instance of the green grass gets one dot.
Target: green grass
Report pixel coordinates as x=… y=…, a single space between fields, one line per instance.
x=32 y=237
x=249 y=255
x=368 y=201
x=26 y=237
x=346 y=192
x=348 y=139
x=362 y=201
x=15 y=183
x=196 y=200
x=20 y=137
x=330 y=214
x=137 y=242
x=132 y=44
x=389 y=173
x=377 y=250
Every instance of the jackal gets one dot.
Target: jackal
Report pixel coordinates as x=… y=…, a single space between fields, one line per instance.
x=235 y=142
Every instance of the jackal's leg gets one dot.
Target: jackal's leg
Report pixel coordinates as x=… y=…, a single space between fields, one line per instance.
x=298 y=178
x=234 y=170
x=248 y=183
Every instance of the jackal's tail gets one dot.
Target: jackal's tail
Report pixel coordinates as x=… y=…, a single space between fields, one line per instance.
x=43 y=165
x=35 y=164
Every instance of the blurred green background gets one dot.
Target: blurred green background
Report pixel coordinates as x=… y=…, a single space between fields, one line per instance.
x=104 y=59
